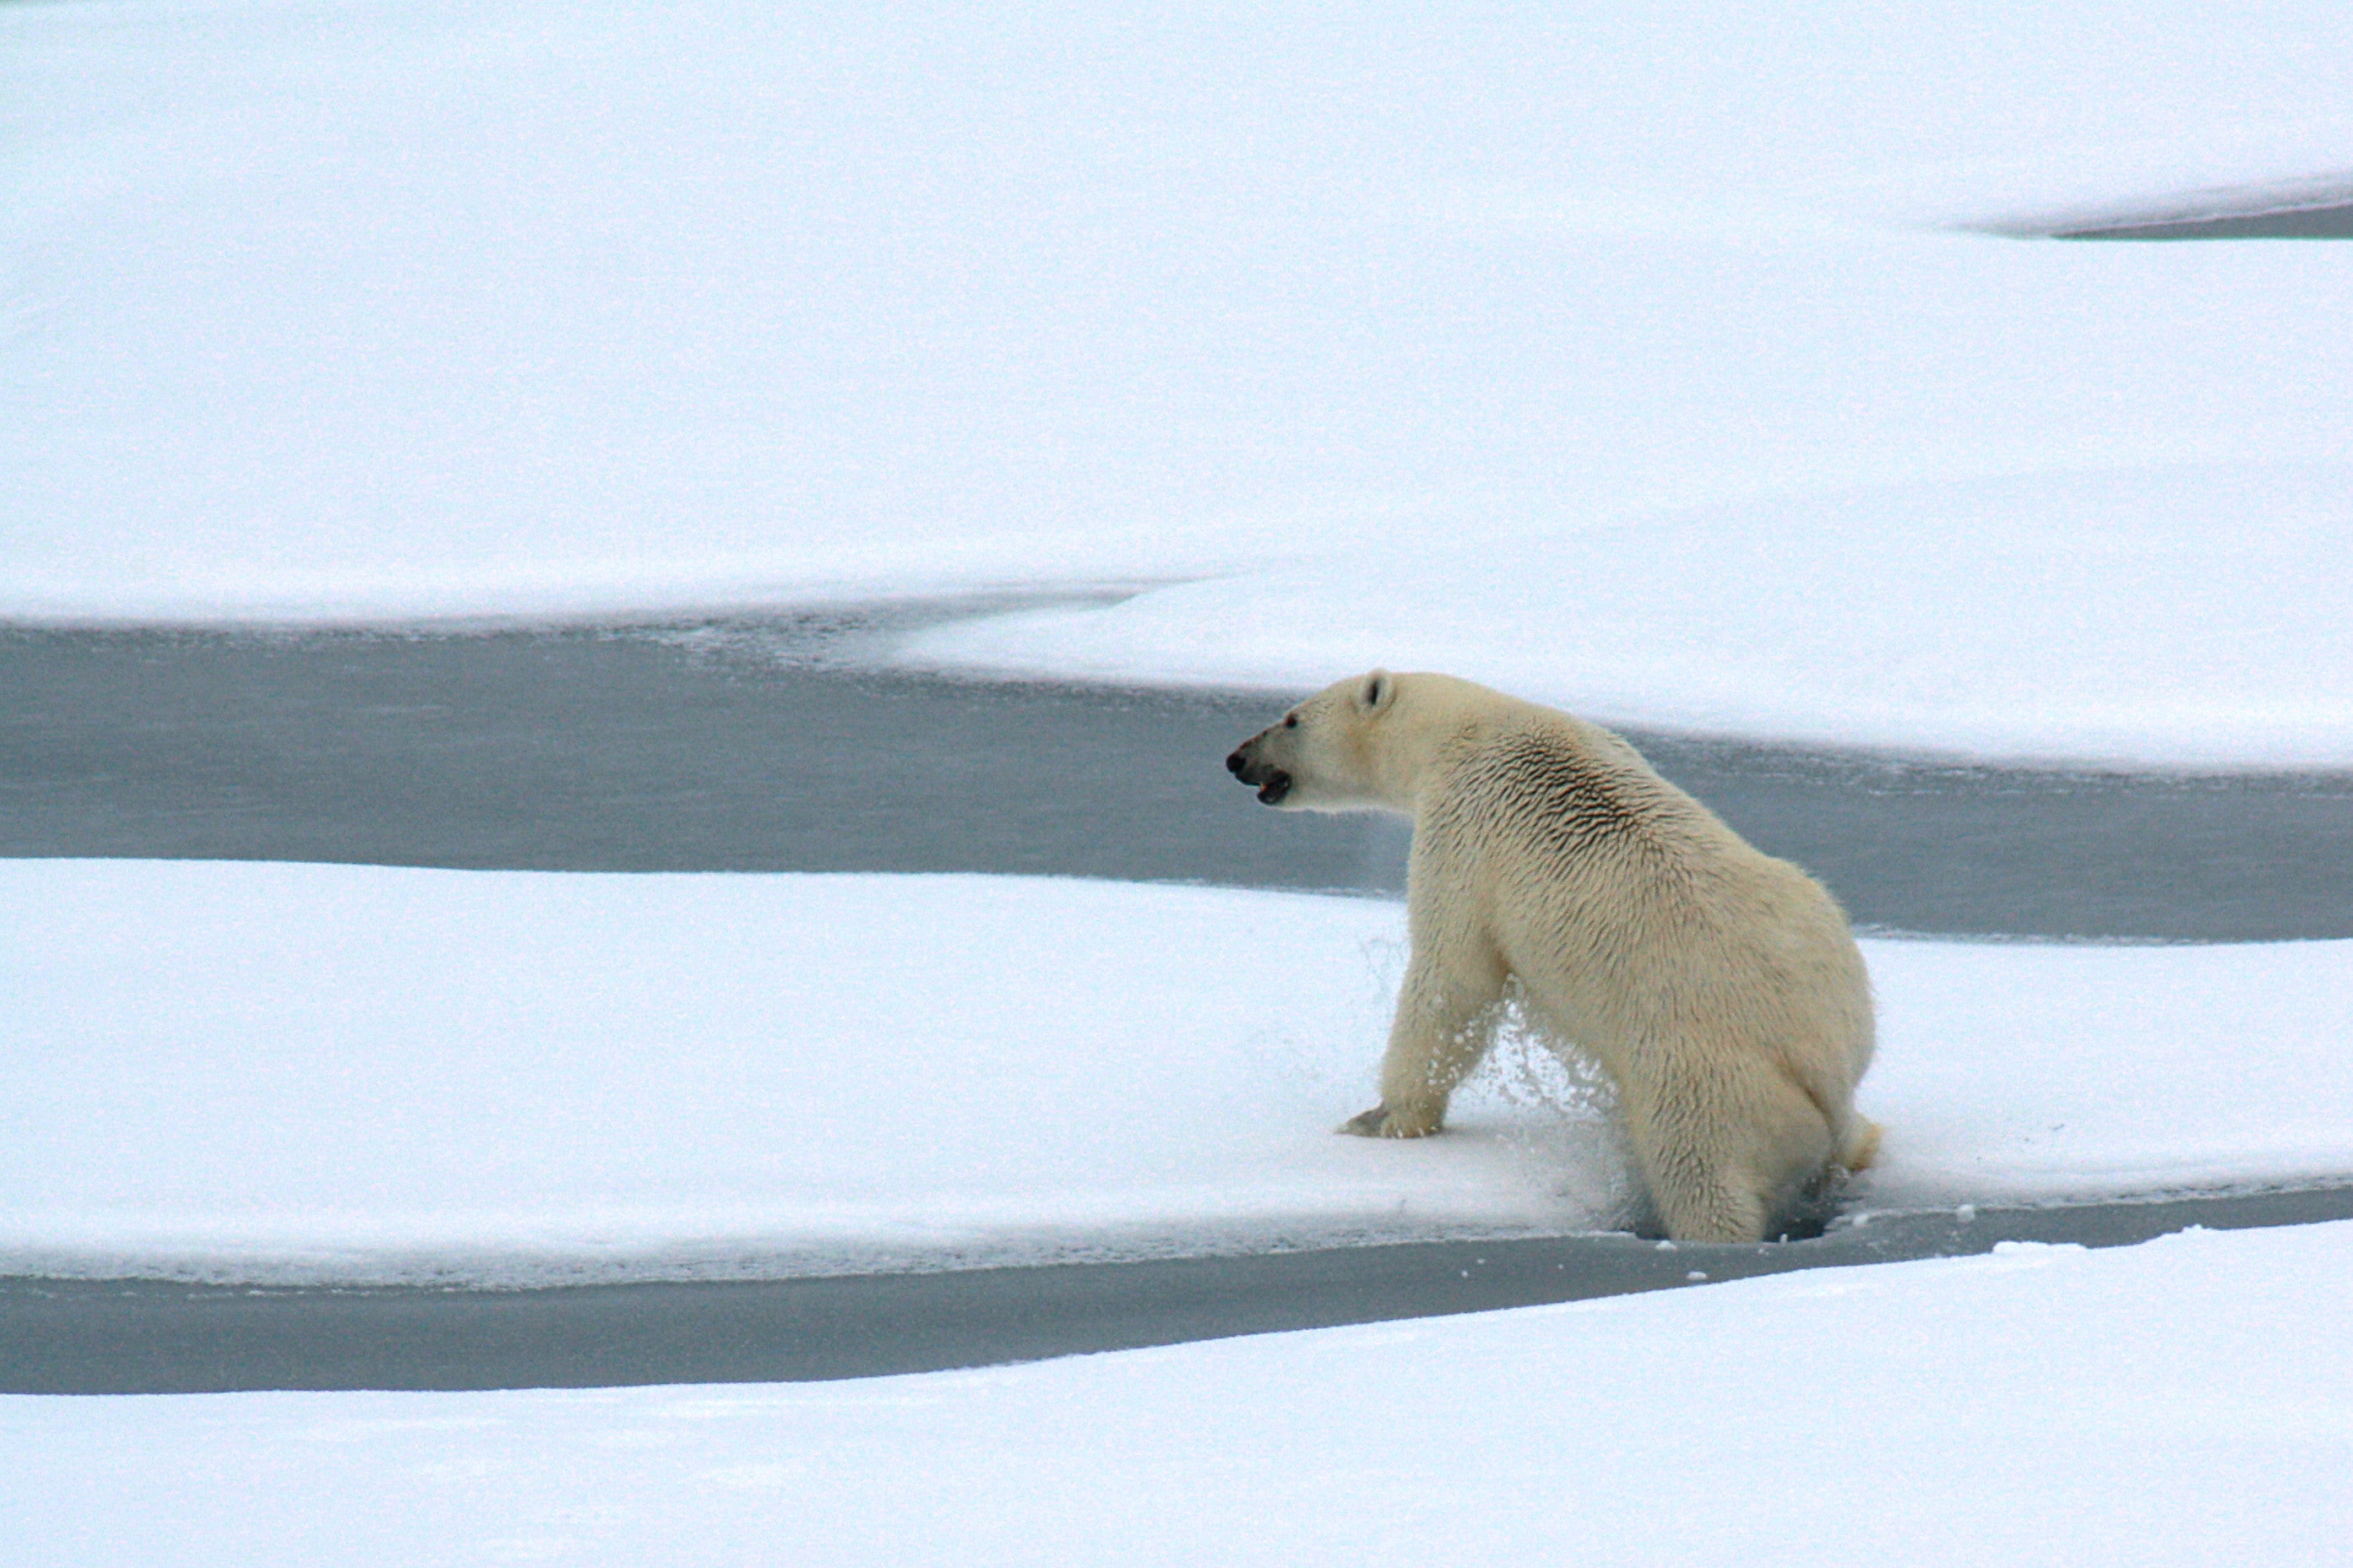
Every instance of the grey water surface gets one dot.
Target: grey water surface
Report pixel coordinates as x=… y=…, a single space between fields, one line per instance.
x=778 y=746
x=2290 y=223
x=148 y=1336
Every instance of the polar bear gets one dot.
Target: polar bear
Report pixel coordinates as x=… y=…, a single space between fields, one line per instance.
x=1717 y=987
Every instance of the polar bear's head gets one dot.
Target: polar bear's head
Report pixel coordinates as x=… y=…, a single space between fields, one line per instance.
x=1326 y=754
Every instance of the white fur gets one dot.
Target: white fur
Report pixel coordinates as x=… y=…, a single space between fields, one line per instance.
x=1719 y=987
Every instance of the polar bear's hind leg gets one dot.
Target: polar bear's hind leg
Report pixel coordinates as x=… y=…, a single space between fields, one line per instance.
x=1730 y=1176
x=1861 y=1144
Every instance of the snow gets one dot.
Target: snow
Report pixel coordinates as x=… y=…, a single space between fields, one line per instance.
x=1672 y=323
x=288 y=1073
x=2108 y=618
x=2181 y=1402
x=2029 y=1072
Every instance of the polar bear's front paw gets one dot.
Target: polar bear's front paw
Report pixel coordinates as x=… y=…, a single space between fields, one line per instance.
x=1380 y=1121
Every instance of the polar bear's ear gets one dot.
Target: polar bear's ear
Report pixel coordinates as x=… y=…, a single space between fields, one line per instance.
x=1378 y=690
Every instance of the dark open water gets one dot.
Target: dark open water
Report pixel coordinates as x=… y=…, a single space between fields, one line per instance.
x=770 y=748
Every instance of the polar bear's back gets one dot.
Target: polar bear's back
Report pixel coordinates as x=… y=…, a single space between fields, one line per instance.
x=1631 y=912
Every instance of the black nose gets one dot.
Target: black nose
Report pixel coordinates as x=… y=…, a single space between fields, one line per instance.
x=1236 y=763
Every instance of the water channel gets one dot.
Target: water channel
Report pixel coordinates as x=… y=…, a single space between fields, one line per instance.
x=780 y=746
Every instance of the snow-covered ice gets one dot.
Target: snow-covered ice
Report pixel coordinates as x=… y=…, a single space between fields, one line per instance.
x=307 y=1071
x=320 y=1072
x=2179 y=1402
x=1670 y=323
x=2181 y=617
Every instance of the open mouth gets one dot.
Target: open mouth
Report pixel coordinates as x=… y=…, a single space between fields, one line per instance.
x=1272 y=783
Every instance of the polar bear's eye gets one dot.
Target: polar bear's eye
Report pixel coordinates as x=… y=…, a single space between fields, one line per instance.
x=1291 y=720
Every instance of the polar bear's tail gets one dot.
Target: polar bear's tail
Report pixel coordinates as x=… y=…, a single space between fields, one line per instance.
x=1862 y=1144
